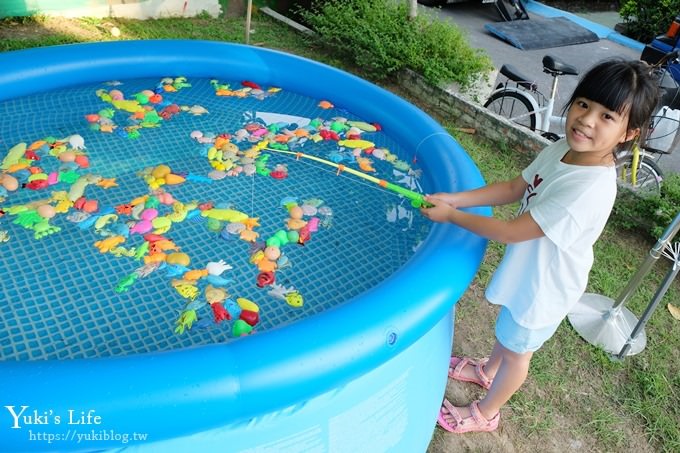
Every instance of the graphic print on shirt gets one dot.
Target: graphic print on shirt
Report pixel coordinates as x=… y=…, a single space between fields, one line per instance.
x=529 y=194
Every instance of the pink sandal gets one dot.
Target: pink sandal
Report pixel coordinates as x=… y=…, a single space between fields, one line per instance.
x=475 y=423
x=456 y=367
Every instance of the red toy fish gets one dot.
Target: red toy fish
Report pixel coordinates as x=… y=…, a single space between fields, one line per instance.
x=265 y=278
x=249 y=84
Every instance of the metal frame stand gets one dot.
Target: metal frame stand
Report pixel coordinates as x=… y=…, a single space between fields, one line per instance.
x=606 y=323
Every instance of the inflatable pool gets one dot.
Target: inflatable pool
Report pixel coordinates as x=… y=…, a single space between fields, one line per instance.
x=365 y=374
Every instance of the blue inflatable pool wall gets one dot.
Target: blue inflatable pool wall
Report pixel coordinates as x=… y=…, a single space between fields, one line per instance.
x=351 y=383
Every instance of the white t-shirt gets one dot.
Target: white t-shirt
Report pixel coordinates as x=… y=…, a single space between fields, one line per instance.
x=540 y=280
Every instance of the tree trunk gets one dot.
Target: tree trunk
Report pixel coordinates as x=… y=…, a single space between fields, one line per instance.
x=235 y=8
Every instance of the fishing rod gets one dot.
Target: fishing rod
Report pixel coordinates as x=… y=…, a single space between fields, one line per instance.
x=417 y=199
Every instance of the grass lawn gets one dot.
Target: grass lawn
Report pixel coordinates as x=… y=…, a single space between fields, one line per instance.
x=576 y=398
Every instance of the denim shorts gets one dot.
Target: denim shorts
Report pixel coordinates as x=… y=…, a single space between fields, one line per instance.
x=520 y=339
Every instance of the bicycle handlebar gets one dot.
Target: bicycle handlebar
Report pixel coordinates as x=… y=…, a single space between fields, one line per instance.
x=673 y=55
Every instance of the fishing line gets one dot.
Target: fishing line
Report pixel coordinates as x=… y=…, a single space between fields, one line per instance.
x=417 y=199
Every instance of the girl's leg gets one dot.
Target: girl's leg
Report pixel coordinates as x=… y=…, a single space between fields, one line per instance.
x=494 y=362
x=509 y=377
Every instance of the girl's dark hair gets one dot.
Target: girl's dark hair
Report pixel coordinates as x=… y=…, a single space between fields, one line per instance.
x=621 y=85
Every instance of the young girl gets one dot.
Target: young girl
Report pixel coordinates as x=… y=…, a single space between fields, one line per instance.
x=566 y=196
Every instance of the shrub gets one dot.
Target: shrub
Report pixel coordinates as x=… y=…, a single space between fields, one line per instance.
x=646 y=19
x=650 y=215
x=378 y=37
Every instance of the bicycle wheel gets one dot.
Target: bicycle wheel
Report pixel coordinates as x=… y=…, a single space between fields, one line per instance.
x=513 y=106
x=647 y=178
x=511 y=10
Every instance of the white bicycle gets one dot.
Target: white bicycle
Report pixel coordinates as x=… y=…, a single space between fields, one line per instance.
x=520 y=101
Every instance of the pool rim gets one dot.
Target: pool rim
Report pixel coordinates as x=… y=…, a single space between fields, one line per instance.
x=227 y=381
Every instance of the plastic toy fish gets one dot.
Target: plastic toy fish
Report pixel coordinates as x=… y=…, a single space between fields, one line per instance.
x=13 y=155
x=175 y=270
x=78 y=216
x=126 y=282
x=250 y=317
x=122 y=251
x=219 y=312
x=361 y=144
x=363 y=126
x=365 y=164
x=127 y=105
x=241 y=328
x=196 y=110
x=76 y=141
x=214 y=294
x=204 y=323
x=227 y=215
x=233 y=308
x=185 y=321
x=199 y=178
x=186 y=290
x=247 y=304
x=249 y=84
x=283 y=262
x=265 y=279
x=44 y=228
x=105 y=245
x=294 y=299
x=147 y=269
x=141 y=250
x=216 y=268
x=104 y=220
x=279 y=291
x=218 y=281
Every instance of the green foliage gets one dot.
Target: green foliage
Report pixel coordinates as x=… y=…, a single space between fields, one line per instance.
x=650 y=214
x=378 y=37
x=646 y=19
x=32 y=19
x=650 y=397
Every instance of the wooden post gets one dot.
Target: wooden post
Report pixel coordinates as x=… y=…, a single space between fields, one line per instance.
x=249 y=13
x=413 y=9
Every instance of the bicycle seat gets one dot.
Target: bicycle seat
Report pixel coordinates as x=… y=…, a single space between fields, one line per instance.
x=513 y=74
x=556 y=66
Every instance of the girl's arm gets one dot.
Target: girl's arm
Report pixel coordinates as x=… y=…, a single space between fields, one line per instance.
x=522 y=228
x=496 y=194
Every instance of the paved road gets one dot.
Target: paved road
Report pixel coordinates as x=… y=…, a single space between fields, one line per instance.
x=471 y=17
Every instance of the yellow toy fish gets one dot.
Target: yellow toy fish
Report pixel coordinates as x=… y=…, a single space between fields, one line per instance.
x=361 y=144
x=294 y=299
x=106 y=245
x=127 y=105
x=15 y=153
x=227 y=215
x=362 y=125
x=247 y=304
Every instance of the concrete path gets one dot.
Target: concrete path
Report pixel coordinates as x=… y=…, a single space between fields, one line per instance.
x=472 y=15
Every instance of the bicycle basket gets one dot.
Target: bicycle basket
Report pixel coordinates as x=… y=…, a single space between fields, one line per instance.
x=663 y=136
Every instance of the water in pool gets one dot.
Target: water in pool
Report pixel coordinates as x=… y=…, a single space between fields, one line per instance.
x=139 y=220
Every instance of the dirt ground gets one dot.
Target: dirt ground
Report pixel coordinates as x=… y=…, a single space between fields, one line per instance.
x=474 y=330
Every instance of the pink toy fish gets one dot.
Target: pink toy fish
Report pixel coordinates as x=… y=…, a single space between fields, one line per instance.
x=141 y=227
x=313 y=225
